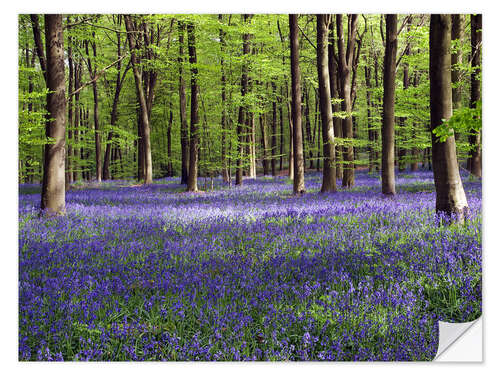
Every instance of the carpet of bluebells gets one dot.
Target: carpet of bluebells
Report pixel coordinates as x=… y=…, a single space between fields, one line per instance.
x=245 y=273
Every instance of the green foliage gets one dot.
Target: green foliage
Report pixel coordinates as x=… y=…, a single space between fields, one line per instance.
x=464 y=120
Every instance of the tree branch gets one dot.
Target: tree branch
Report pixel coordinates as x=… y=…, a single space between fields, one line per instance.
x=98 y=74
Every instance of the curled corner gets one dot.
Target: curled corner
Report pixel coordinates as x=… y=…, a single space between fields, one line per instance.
x=466 y=341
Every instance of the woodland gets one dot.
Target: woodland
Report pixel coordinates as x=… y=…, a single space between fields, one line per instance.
x=233 y=187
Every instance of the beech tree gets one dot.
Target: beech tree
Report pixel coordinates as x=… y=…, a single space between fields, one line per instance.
x=475 y=91
x=143 y=107
x=241 y=110
x=346 y=61
x=53 y=185
x=329 y=183
x=298 y=161
x=184 y=134
x=192 y=184
x=391 y=46
x=450 y=195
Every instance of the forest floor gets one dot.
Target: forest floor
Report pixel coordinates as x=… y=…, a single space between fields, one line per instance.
x=245 y=273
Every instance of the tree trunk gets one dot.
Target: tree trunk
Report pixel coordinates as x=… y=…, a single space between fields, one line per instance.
x=391 y=46
x=192 y=184
x=450 y=195
x=456 y=60
x=371 y=151
x=114 y=112
x=329 y=178
x=334 y=91
x=241 y=111
x=93 y=73
x=475 y=91
x=282 y=130
x=170 y=169
x=264 y=142
x=148 y=173
x=53 y=186
x=298 y=152
x=225 y=172
x=274 y=134
x=309 y=134
x=346 y=58
x=69 y=148
x=182 y=110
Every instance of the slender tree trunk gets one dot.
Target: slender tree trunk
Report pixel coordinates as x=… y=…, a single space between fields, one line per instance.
x=148 y=173
x=319 y=127
x=346 y=58
x=69 y=148
x=93 y=73
x=309 y=134
x=53 y=187
x=274 y=130
x=450 y=195
x=298 y=152
x=182 y=110
x=265 y=144
x=170 y=169
x=329 y=178
x=334 y=90
x=114 y=112
x=241 y=111
x=391 y=46
x=475 y=92
x=225 y=173
x=192 y=184
x=456 y=60
x=371 y=151
x=282 y=130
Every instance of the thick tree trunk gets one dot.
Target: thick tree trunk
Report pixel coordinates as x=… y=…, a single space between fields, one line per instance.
x=391 y=46
x=450 y=195
x=192 y=184
x=148 y=172
x=329 y=183
x=475 y=90
x=298 y=152
x=184 y=136
x=53 y=186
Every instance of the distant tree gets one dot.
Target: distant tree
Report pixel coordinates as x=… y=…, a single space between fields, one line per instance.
x=53 y=185
x=450 y=195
